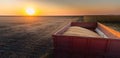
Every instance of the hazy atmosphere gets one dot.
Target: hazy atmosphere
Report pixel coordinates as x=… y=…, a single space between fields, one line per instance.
x=59 y=28
x=60 y=7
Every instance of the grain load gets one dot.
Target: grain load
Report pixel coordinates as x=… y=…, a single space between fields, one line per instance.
x=80 y=31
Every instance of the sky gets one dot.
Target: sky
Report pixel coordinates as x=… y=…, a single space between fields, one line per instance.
x=61 y=7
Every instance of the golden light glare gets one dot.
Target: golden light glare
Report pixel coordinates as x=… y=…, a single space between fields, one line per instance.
x=30 y=11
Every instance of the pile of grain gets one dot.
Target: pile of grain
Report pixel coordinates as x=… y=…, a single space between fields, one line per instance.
x=79 y=31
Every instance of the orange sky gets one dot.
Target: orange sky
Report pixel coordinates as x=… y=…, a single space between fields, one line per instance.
x=60 y=7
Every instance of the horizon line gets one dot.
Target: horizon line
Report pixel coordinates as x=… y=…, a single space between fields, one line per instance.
x=54 y=15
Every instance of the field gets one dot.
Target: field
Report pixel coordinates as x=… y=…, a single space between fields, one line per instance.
x=112 y=21
x=102 y=18
x=29 y=37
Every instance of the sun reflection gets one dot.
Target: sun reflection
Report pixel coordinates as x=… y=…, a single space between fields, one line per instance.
x=30 y=19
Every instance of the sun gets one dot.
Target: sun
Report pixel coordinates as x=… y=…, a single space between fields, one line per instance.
x=30 y=11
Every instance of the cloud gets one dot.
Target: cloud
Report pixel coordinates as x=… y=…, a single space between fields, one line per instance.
x=79 y=4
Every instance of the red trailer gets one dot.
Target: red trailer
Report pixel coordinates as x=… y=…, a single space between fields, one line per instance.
x=107 y=46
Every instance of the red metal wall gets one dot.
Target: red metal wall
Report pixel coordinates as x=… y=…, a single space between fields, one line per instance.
x=85 y=47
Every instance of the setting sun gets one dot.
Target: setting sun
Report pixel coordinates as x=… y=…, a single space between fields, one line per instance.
x=30 y=11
